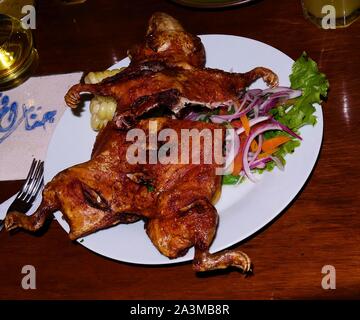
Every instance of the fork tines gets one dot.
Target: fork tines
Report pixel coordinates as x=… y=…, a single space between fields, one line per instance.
x=34 y=181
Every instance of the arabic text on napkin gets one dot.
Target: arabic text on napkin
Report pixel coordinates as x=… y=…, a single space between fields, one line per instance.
x=28 y=116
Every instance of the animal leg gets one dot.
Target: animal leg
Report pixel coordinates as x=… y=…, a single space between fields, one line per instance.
x=73 y=96
x=266 y=74
x=195 y=225
x=15 y=219
x=204 y=260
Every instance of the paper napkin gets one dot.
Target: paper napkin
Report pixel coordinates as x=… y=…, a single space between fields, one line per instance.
x=28 y=116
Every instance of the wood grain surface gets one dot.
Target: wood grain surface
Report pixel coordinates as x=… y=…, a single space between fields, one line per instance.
x=320 y=227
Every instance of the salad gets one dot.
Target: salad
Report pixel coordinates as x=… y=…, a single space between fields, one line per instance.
x=267 y=122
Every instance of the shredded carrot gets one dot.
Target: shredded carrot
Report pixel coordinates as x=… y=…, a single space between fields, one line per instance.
x=267 y=153
x=237 y=164
x=273 y=143
x=253 y=146
x=245 y=122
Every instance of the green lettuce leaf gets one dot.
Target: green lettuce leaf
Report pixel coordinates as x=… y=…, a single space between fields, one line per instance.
x=230 y=179
x=314 y=85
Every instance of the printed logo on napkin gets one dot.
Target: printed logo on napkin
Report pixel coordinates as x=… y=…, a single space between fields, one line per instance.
x=28 y=116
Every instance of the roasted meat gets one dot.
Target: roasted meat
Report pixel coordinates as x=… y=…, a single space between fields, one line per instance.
x=167 y=69
x=166 y=41
x=176 y=199
x=138 y=92
x=110 y=189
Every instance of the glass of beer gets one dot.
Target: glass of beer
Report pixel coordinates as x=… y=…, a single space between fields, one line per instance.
x=18 y=57
x=346 y=11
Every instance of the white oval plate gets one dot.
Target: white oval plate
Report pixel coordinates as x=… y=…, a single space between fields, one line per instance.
x=243 y=209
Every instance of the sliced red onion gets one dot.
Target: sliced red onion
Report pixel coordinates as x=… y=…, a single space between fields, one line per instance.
x=243 y=102
x=224 y=118
x=236 y=115
x=268 y=106
x=273 y=99
x=255 y=99
x=259 y=166
x=271 y=102
x=253 y=122
x=250 y=96
x=192 y=116
x=292 y=92
x=261 y=128
x=254 y=92
x=217 y=119
x=260 y=163
x=286 y=129
x=256 y=111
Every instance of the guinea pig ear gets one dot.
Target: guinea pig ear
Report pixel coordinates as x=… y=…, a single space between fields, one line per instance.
x=94 y=198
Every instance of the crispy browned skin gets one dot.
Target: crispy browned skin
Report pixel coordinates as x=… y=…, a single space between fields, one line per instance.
x=107 y=190
x=142 y=90
x=167 y=41
x=168 y=69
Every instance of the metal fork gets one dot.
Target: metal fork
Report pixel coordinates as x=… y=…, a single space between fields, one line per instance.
x=29 y=191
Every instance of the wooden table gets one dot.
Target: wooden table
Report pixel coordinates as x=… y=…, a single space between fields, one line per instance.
x=321 y=227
